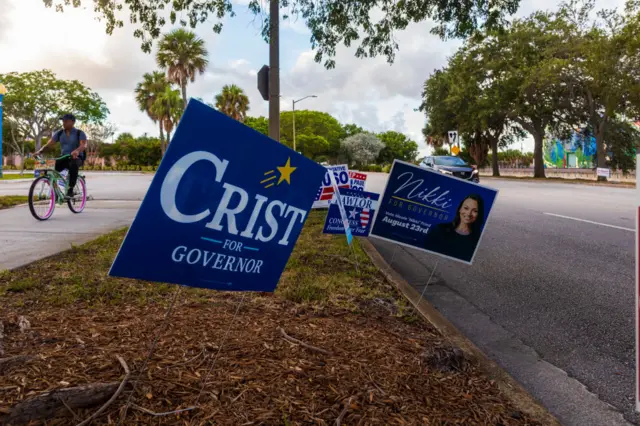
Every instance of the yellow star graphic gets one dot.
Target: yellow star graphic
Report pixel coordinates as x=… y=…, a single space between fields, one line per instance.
x=285 y=172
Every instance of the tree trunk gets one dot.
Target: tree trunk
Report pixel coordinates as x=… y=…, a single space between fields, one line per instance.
x=494 y=156
x=38 y=141
x=162 y=144
x=184 y=94
x=601 y=154
x=538 y=158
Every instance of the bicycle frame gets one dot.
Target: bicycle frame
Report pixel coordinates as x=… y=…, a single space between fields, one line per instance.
x=53 y=177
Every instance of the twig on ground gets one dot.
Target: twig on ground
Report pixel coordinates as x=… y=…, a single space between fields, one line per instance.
x=115 y=395
x=187 y=361
x=73 y=413
x=344 y=412
x=303 y=344
x=168 y=413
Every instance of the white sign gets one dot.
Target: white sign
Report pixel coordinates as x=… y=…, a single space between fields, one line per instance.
x=326 y=190
x=453 y=137
x=603 y=172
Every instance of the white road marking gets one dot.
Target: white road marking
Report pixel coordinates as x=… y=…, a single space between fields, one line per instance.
x=590 y=221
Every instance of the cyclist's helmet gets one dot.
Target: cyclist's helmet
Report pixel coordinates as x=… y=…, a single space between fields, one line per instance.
x=68 y=117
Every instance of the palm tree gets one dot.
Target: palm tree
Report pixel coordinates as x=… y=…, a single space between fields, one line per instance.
x=183 y=55
x=233 y=102
x=147 y=91
x=168 y=107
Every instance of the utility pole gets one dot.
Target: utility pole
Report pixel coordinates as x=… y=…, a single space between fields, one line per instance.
x=274 y=70
x=294 y=117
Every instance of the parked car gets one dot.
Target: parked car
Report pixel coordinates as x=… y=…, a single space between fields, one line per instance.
x=451 y=165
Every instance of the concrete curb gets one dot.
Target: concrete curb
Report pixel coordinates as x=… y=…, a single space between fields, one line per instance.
x=625 y=185
x=510 y=388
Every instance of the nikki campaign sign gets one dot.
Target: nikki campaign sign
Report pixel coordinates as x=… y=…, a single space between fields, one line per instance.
x=360 y=208
x=431 y=211
x=224 y=209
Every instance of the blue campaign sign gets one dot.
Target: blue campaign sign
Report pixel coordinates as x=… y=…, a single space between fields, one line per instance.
x=430 y=211
x=224 y=209
x=360 y=207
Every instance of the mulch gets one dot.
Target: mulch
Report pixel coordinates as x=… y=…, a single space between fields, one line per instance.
x=239 y=370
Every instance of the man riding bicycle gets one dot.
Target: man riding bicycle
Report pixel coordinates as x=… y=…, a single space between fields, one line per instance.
x=73 y=142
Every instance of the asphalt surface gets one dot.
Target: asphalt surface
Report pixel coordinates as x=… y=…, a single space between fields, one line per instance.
x=549 y=293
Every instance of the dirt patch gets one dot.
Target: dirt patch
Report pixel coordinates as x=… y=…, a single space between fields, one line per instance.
x=224 y=353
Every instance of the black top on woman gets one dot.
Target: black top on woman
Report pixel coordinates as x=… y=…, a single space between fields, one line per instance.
x=459 y=238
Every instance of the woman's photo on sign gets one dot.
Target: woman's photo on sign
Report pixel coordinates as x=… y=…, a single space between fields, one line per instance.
x=459 y=238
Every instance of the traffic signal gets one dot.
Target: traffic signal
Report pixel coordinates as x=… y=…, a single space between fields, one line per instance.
x=263 y=82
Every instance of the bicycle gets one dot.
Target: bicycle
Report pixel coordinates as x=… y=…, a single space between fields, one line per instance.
x=46 y=191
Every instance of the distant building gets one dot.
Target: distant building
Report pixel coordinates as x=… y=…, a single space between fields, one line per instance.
x=578 y=151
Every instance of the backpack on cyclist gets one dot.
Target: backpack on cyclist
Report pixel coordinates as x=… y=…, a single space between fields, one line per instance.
x=83 y=154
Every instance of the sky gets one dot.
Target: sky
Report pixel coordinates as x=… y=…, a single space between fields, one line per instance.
x=368 y=92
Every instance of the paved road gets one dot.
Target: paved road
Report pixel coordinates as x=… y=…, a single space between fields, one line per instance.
x=116 y=198
x=550 y=291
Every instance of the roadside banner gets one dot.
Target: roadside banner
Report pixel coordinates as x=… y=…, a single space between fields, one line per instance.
x=224 y=210
x=602 y=171
x=433 y=212
x=324 y=194
x=360 y=208
x=337 y=200
x=357 y=180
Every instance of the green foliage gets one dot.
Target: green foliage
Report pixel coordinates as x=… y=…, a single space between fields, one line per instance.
x=147 y=92
x=183 y=55
x=312 y=146
x=362 y=148
x=312 y=123
x=623 y=140
x=441 y=151
x=127 y=151
x=331 y=23
x=233 y=101
x=259 y=124
x=29 y=163
x=168 y=107
x=396 y=146
x=36 y=100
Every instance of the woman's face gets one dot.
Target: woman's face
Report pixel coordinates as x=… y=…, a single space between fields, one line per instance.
x=469 y=211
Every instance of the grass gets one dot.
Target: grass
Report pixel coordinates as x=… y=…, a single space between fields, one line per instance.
x=322 y=270
x=11 y=176
x=7 y=201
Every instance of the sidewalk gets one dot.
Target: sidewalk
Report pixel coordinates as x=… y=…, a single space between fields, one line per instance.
x=24 y=240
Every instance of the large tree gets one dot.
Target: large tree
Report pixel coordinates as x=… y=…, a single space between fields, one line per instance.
x=36 y=100
x=147 y=91
x=525 y=63
x=312 y=123
x=332 y=23
x=168 y=107
x=260 y=124
x=603 y=73
x=183 y=55
x=396 y=146
x=233 y=101
x=362 y=148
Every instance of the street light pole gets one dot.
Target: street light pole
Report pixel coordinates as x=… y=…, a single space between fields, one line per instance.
x=293 y=109
x=3 y=91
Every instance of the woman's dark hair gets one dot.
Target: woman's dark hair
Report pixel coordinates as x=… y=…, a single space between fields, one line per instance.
x=476 y=226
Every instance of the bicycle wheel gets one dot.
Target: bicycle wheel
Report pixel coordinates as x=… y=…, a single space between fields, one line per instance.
x=79 y=199
x=42 y=198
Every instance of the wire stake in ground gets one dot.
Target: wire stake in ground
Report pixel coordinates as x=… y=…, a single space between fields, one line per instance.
x=161 y=330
